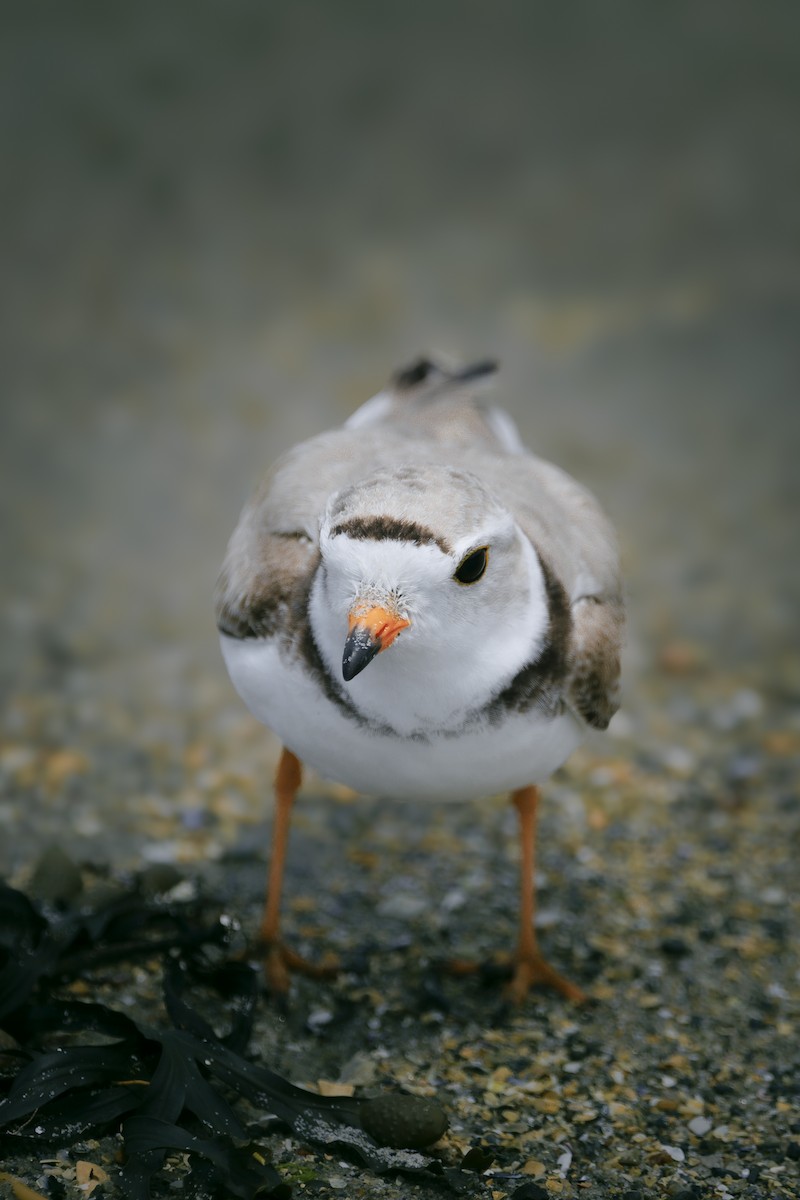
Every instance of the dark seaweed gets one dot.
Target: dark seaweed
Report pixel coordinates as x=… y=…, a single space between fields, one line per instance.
x=167 y=1088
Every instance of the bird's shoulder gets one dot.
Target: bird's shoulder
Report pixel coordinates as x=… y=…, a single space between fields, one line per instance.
x=274 y=549
x=563 y=519
x=577 y=547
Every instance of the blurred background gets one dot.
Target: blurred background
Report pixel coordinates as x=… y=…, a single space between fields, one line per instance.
x=224 y=225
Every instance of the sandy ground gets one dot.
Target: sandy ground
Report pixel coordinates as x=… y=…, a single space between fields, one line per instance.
x=221 y=230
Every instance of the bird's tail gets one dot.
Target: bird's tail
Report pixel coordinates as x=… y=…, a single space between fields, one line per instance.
x=417 y=390
x=425 y=376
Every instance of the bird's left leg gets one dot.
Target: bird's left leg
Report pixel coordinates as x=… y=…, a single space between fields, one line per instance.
x=529 y=966
x=280 y=959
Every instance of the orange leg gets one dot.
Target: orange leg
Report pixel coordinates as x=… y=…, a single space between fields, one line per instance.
x=279 y=959
x=529 y=966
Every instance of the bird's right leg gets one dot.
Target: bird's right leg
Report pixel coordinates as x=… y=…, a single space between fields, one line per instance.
x=279 y=959
x=530 y=967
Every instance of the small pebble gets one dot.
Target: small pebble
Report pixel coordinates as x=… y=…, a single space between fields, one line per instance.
x=455 y=899
x=158 y=878
x=674 y=1152
x=564 y=1162
x=318 y=1018
x=56 y=879
x=403 y=1122
x=531 y=1191
x=675 y=947
x=700 y=1126
x=404 y=905
x=359 y=1070
x=679 y=760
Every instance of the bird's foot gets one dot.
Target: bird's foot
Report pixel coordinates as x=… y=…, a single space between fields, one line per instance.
x=522 y=971
x=280 y=962
x=531 y=970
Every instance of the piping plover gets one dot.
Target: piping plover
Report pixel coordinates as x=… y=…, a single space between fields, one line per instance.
x=419 y=606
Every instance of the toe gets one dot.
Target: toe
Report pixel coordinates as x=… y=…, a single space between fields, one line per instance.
x=534 y=971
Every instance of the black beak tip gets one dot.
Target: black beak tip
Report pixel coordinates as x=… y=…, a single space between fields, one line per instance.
x=358 y=653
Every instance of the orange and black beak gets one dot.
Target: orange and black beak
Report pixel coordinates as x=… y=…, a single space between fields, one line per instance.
x=371 y=630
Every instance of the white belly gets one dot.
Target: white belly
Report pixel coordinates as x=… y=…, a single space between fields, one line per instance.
x=519 y=749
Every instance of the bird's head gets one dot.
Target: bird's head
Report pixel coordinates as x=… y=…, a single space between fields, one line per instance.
x=424 y=563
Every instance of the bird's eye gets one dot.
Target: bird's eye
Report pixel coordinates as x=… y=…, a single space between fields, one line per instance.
x=472 y=567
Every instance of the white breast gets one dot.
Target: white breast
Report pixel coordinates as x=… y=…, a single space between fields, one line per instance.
x=518 y=749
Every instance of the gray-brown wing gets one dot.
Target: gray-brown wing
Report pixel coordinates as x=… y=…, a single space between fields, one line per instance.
x=263 y=586
x=274 y=550
x=594 y=659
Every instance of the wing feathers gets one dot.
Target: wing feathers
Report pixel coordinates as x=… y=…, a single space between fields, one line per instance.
x=593 y=677
x=266 y=594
